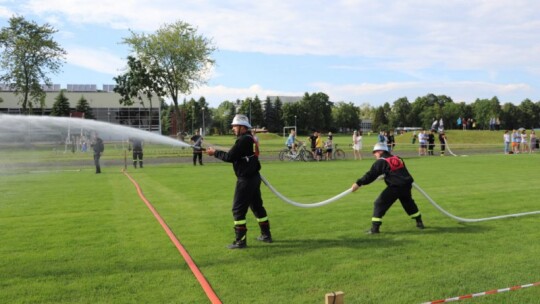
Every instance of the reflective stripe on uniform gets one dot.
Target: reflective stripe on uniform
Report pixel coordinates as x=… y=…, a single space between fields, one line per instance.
x=264 y=219
x=242 y=222
x=417 y=214
x=376 y=219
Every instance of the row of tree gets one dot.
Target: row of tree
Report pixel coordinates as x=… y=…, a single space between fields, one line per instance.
x=315 y=111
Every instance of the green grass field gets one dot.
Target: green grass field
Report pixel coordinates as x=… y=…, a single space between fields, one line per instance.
x=78 y=237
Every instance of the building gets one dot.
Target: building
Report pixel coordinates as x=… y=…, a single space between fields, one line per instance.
x=104 y=103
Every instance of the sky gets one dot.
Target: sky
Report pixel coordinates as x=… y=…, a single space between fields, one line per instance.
x=358 y=51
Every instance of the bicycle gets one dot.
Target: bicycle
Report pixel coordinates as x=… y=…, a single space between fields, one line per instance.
x=336 y=153
x=301 y=154
x=290 y=155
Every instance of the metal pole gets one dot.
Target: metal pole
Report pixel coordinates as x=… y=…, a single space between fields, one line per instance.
x=203 y=133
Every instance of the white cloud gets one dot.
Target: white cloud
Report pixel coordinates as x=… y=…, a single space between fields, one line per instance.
x=466 y=91
x=6 y=13
x=215 y=95
x=473 y=34
x=96 y=60
x=410 y=37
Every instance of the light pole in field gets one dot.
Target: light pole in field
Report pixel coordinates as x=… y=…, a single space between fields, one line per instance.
x=203 y=133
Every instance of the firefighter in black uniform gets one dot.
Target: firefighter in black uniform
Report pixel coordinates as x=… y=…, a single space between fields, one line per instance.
x=137 y=146
x=247 y=193
x=399 y=184
x=98 y=147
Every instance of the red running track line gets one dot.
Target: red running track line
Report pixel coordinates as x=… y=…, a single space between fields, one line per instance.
x=214 y=299
x=474 y=295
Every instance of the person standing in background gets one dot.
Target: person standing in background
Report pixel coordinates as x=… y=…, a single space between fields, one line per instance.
x=98 y=147
x=534 y=141
x=506 y=138
x=442 y=140
x=137 y=146
x=357 y=144
x=196 y=142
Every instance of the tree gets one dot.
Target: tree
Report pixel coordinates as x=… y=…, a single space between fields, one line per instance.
x=61 y=105
x=223 y=117
x=380 y=121
x=179 y=57
x=84 y=107
x=269 y=115
x=278 y=110
x=139 y=82
x=28 y=54
x=165 y=118
x=484 y=110
x=529 y=117
x=315 y=112
x=399 y=115
x=510 y=116
x=257 y=115
x=345 y=117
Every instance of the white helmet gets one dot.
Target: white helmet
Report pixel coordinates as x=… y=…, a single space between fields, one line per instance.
x=241 y=120
x=380 y=147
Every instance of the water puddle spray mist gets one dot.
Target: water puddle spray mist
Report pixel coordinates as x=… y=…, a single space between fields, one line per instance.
x=17 y=128
x=37 y=141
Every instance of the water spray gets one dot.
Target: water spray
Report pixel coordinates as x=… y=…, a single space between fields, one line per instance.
x=58 y=125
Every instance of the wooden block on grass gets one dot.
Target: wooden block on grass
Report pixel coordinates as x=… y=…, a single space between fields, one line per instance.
x=334 y=298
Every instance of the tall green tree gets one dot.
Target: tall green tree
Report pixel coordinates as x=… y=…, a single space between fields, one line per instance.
x=61 y=105
x=252 y=108
x=484 y=110
x=345 y=116
x=530 y=116
x=27 y=54
x=380 y=121
x=399 y=115
x=257 y=114
x=510 y=116
x=84 y=107
x=269 y=115
x=140 y=83
x=165 y=118
x=223 y=116
x=292 y=114
x=178 y=55
x=315 y=112
x=278 y=110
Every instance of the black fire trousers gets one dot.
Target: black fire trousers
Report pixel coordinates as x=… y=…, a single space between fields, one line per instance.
x=387 y=198
x=247 y=195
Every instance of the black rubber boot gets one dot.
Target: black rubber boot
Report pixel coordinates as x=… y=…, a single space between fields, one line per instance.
x=240 y=241
x=374 y=228
x=140 y=164
x=265 y=236
x=135 y=164
x=419 y=223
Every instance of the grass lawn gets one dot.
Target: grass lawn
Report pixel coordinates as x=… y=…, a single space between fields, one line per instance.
x=78 y=237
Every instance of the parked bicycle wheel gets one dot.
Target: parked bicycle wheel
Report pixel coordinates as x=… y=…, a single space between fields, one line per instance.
x=307 y=156
x=339 y=154
x=282 y=154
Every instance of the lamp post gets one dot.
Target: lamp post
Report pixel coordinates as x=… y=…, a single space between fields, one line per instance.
x=203 y=133
x=249 y=111
x=294 y=123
